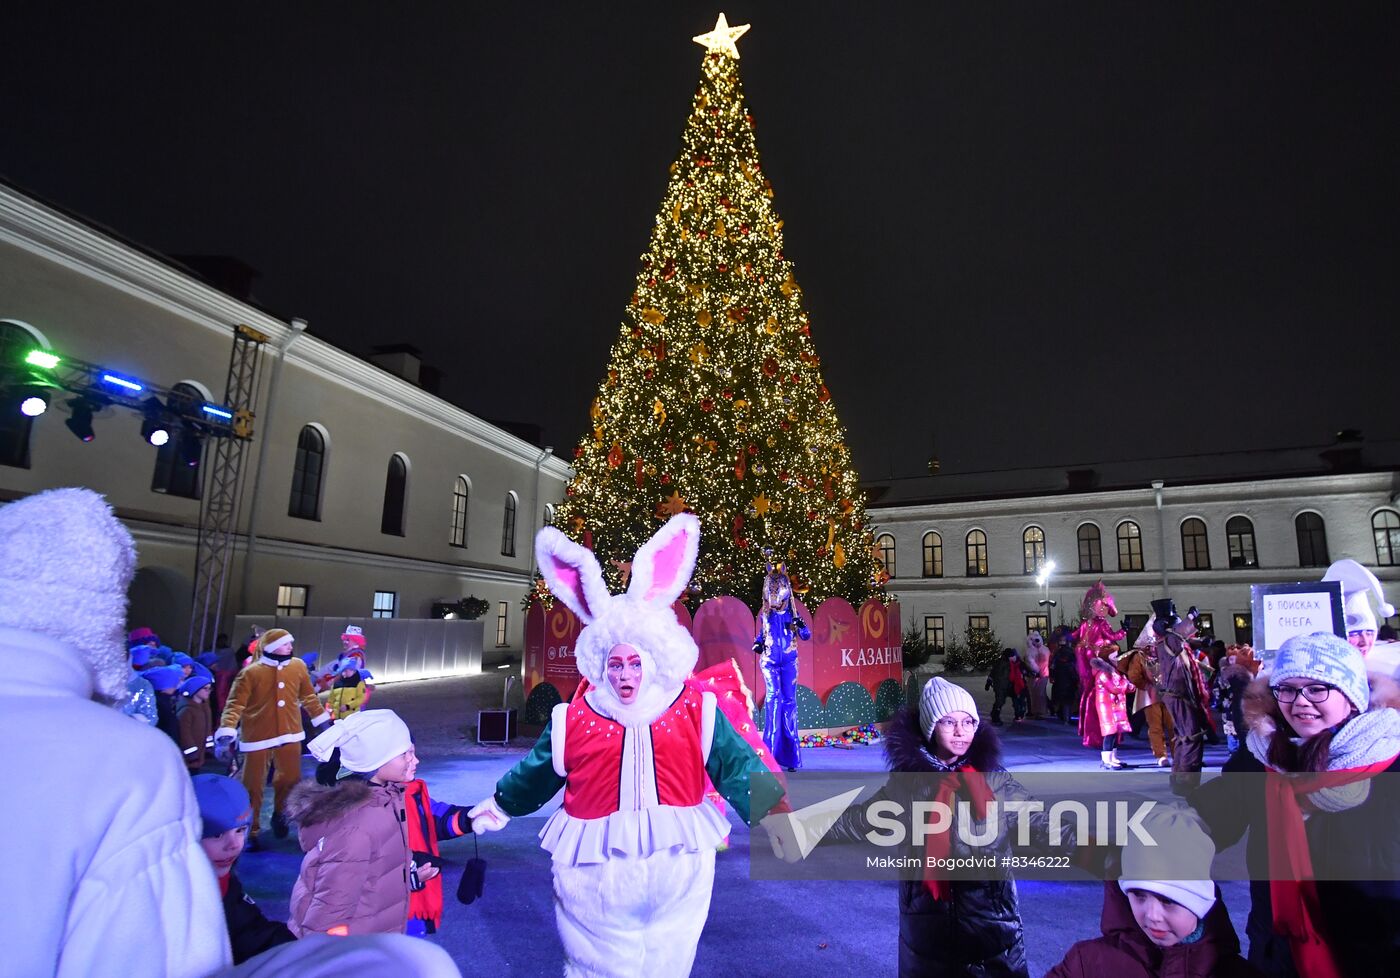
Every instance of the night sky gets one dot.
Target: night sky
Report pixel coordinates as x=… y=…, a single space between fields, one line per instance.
x=1028 y=233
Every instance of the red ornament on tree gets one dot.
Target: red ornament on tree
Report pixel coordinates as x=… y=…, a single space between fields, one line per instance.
x=707 y=405
x=770 y=367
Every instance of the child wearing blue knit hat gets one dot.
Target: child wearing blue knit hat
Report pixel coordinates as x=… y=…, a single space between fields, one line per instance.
x=165 y=680
x=227 y=812
x=195 y=721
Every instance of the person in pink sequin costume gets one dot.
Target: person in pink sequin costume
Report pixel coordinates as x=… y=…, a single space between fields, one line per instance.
x=1095 y=638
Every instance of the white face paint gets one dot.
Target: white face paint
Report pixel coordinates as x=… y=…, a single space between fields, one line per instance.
x=625 y=673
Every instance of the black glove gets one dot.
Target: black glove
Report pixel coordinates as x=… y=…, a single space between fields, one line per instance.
x=326 y=773
x=473 y=877
x=758 y=645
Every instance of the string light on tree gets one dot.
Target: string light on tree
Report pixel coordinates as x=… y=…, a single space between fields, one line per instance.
x=713 y=399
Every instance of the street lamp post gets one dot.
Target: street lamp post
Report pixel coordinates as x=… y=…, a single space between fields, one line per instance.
x=1043 y=580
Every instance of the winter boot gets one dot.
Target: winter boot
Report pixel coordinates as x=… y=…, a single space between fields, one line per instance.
x=1108 y=761
x=279 y=825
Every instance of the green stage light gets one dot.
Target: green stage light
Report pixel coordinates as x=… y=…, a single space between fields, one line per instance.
x=42 y=358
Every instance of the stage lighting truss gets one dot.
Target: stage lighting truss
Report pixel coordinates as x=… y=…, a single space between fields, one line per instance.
x=166 y=414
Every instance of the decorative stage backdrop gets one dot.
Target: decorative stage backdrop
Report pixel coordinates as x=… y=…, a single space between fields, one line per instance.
x=849 y=673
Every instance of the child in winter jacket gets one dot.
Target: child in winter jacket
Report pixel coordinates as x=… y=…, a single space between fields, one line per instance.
x=195 y=721
x=355 y=875
x=954 y=928
x=347 y=691
x=1159 y=927
x=1229 y=685
x=165 y=680
x=1007 y=680
x=227 y=812
x=1111 y=689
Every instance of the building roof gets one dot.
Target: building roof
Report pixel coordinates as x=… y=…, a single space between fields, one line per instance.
x=1348 y=454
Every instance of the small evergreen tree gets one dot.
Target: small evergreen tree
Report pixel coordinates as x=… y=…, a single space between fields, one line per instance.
x=916 y=647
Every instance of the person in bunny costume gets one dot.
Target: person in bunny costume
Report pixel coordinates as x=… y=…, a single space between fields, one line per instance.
x=633 y=845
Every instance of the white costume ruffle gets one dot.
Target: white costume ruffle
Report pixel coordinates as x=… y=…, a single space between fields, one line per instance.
x=583 y=841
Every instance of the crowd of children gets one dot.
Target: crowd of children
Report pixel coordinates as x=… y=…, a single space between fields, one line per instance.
x=370 y=830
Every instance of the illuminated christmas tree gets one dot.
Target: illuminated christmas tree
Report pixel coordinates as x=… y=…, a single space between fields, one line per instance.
x=713 y=400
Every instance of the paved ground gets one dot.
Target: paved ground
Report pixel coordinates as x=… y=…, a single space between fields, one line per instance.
x=755 y=927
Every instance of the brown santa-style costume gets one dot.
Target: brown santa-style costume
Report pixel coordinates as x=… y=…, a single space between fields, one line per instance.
x=264 y=710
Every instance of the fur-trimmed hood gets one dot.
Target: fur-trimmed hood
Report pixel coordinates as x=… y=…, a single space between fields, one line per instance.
x=1102 y=664
x=907 y=751
x=1258 y=708
x=313 y=804
x=1233 y=671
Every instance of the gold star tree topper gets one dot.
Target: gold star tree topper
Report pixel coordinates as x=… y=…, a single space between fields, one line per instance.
x=721 y=39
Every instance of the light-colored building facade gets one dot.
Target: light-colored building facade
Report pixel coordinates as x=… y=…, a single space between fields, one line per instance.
x=363 y=495
x=977 y=563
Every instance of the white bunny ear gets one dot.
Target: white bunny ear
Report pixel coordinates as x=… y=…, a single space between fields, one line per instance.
x=662 y=568
x=572 y=574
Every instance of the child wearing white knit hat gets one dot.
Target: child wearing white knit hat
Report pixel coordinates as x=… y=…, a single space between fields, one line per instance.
x=1164 y=915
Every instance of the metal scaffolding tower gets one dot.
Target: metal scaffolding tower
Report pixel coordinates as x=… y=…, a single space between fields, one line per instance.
x=223 y=491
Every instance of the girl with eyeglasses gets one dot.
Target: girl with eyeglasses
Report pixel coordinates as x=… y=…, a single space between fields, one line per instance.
x=953 y=927
x=1309 y=715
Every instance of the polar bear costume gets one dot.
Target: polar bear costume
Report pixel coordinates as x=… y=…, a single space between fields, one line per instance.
x=633 y=845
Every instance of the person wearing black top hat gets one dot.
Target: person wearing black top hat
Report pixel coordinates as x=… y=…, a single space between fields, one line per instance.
x=1183 y=690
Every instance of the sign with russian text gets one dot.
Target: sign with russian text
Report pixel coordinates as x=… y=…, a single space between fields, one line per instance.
x=1282 y=611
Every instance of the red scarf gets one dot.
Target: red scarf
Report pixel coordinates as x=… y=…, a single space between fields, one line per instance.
x=425 y=904
x=939 y=844
x=1292 y=889
x=1018 y=679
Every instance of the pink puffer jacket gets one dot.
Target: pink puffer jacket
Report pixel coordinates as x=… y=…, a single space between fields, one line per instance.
x=355 y=872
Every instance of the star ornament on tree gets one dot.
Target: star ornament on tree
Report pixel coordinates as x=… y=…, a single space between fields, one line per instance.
x=721 y=39
x=673 y=504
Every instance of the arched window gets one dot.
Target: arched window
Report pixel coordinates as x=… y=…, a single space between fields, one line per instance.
x=307 y=474
x=1090 y=549
x=1195 y=545
x=1386 y=527
x=1129 y=546
x=508 y=526
x=548 y=514
x=1312 y=540
x=1239 y=536
x=933 y=554
x=884 y=544
x=16 y=340
x=1033 y=550
x=976 y=553
x=395 y=496
x=177 y=470
x=461 y=492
